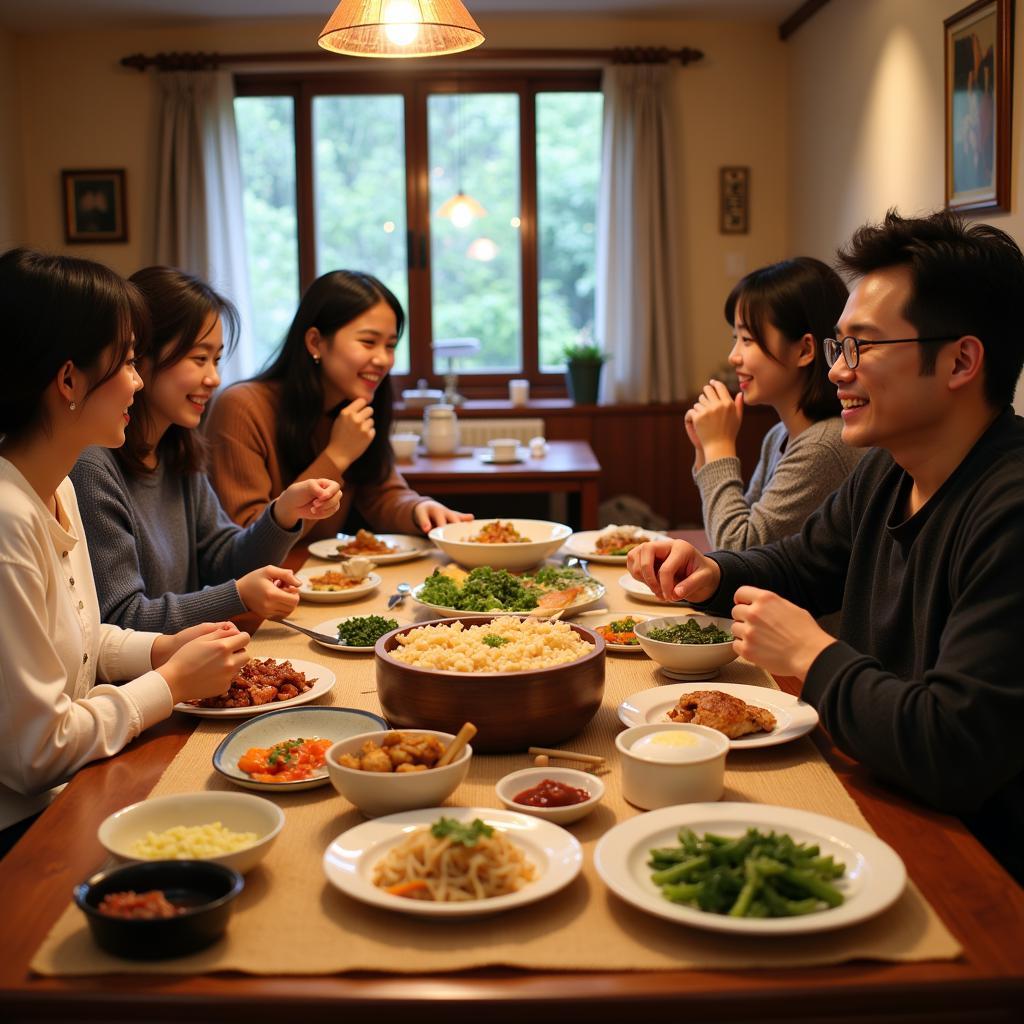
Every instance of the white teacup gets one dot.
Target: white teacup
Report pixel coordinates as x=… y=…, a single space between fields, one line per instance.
x=503 y=449
x=404 y=446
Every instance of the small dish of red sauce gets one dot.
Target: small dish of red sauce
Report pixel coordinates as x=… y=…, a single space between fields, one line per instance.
x=559 y=795
x=551 y=793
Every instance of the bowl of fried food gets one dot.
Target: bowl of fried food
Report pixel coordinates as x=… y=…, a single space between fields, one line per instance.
x=691 y=646
x=511 y=544
x=522 y=680
x=388 y=772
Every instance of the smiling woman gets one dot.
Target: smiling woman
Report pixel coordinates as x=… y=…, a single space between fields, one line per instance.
x=323 y=408
x=164 y=553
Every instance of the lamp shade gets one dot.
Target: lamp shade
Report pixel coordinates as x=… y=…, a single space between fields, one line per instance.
x=400 y=28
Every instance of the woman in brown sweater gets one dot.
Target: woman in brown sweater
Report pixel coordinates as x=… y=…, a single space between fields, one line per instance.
x=322 y=409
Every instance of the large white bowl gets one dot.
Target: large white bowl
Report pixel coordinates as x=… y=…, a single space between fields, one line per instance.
x=545 y=539
x=239 y=812
x=686 y=661
x=377 y=793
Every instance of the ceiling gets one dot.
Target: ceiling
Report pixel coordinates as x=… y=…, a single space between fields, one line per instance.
x=46 y=15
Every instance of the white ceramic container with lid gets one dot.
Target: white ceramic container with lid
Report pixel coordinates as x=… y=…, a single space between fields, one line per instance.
x=440 y=429
x=671 y=763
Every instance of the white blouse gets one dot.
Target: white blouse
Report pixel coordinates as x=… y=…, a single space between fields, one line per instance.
x=53 y=718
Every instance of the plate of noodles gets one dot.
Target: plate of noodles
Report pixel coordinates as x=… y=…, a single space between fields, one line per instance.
x=482 y=861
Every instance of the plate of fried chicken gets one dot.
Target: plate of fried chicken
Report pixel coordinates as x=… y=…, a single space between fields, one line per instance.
x=751 y=716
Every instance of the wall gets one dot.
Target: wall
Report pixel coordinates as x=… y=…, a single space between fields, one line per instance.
x=867 y=119
x=731 y=110
x=11 y=199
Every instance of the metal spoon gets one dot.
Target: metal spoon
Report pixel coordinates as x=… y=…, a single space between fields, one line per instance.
x=572 y=562
x=401 y=593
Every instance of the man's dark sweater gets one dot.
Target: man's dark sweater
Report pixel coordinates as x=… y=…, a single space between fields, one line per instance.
x=926 y=684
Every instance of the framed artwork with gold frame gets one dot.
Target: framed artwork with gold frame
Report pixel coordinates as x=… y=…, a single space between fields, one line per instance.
x=94 y=206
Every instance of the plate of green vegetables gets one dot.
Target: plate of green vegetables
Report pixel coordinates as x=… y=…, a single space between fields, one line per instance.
x=357 y=633
x=751 y=869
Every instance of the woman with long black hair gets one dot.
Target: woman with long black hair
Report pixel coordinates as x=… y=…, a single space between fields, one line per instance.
x=67 y=330
x=323 y=409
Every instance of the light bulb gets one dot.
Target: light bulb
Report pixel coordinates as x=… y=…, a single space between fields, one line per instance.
x=483 y=249
x=462 y=214
x=401 y=22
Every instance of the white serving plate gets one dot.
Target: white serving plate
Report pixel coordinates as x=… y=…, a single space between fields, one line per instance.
x=602 y=618
x=323 y=682
x=289 y=723
x=582 y=545
x=307 y=593
x=330 y=627
x=642 y=592
x=350 y=858
x=408 y=546
x=586 y=600
x=793 y=717
x=874 y=879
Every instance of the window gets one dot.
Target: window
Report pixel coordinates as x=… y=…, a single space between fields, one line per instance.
x=359 y=172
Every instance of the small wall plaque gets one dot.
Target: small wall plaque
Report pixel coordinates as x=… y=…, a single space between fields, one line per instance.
x=734 y=200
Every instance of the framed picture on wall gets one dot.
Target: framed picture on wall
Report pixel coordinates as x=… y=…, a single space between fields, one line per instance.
x=979 y=91
x=94 y=206
x=734 y=200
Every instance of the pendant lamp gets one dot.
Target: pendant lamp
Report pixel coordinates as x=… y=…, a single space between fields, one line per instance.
x=400 y=28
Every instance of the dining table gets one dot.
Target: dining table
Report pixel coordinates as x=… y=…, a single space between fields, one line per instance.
x=975 y=973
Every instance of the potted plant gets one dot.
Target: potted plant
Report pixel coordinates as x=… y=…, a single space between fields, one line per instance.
x=583 y=362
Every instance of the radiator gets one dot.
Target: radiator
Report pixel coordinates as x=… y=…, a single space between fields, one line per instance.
x=476 y=433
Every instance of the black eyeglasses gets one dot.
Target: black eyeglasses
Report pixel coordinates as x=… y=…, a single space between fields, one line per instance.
x=850 y=347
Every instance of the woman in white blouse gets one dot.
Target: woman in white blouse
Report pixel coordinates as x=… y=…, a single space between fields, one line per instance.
x=67 y=333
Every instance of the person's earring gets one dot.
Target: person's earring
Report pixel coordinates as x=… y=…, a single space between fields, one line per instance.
x=316 y=360
x=72 y=407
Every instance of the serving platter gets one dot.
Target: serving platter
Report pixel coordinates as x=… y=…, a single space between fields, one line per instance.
x=408 y=546
x=593 y=594
x=349 y=860
x=323 y=682
x=793 y=717
x=307 y=593
x=875 y=876
x=582 y=543
x=289 y=723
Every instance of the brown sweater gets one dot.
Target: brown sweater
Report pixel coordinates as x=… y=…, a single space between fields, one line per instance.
x=247 y=474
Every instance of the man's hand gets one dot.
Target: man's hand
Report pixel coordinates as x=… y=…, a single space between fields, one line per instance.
x=271 y=592
x=776 y=634
x=674 y=570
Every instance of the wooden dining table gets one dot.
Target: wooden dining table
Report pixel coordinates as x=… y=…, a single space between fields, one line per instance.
x=566 y=467
x=978 y=902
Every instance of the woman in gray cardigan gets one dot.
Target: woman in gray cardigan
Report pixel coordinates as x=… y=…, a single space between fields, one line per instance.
x=164 y=553
x=779 y=315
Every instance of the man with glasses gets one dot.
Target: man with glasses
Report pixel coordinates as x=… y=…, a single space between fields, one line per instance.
x=921 y=548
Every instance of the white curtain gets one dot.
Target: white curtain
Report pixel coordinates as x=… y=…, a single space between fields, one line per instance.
x=200 y=225
x=638 y=272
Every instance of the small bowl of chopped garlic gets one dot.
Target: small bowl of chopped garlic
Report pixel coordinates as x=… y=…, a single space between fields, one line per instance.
x=233 y=829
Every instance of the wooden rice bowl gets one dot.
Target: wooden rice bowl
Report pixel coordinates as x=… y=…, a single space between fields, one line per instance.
x=511 y=710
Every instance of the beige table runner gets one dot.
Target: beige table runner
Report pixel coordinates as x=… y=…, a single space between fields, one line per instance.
x=584 y=927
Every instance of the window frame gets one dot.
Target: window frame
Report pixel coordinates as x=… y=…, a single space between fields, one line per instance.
x=415 y=86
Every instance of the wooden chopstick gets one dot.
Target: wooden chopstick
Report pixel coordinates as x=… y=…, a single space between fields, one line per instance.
x=464 y=735
x=567 y=755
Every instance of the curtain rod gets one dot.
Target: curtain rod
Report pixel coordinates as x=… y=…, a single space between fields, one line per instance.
x=211 y=61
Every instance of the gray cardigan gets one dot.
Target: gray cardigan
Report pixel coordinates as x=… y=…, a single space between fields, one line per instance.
x=164 y=553
x=790 y=482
